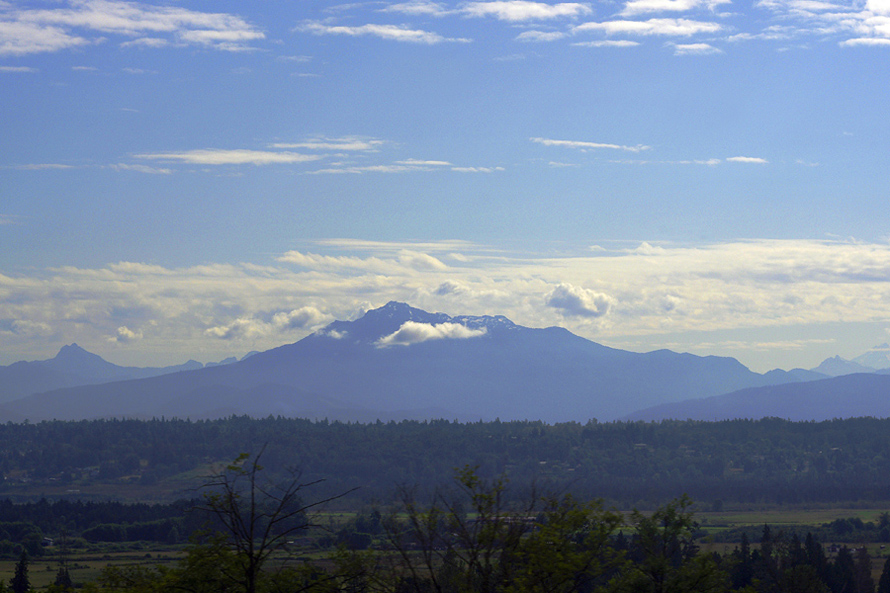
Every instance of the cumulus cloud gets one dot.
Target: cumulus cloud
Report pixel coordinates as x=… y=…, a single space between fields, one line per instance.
x=450 y=287
x=587 y=145
x=125 y=335
x=578 y=302
x=412 y=332
x=243 y=328
x=304 y=317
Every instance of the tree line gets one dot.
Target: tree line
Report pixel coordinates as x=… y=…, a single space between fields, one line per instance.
x=627 y=463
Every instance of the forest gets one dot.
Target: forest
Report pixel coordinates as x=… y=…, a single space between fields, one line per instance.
x=628 y=464
x=279 y=504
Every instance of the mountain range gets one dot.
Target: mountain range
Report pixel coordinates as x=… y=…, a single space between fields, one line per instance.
x=399 y=362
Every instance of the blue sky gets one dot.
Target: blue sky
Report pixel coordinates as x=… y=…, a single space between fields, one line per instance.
x=199 y=179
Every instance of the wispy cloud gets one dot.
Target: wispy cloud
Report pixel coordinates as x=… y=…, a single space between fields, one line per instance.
x=522 y=10
x=17 y=69
x=82 y=22
x=141 y=169
x=388 y=32
x=634 y=7
x=747 y=159
x=540 y=36
x=39 y=166
x=608 y=43
x=336 y=144
x=664 y=27
x=230 y=157
x=695 y=49
x=588 y=145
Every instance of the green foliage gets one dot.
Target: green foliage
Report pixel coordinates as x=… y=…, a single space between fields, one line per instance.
x=20 y=582
x=665 y=557
x=633 y=464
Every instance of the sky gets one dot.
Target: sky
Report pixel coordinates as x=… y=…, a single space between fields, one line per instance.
x=201 y=179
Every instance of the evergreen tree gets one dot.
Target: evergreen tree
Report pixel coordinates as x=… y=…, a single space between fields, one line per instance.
x=862 y=572
x=884 y=582
x=63 y=579
x=20 y=582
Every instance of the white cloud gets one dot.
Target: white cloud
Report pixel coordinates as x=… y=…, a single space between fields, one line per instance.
x=667 y=27
x=420 y=163
x=867 y=41
x=695 y=49
x=412 y=332
x=608 y=43
x=141 y=169
x=522 y=10
x=578 y=302
x=406 y=260
x=41 y=166
x=230 y=157
x=17 y=69
x=477 y=169
x=349 y=143
x=418 y=7
x=640 y=291
x=242 y=328
x=586 y=145
x=304 y=317
x=125 y=335
x=634 y=7
x=21 y=38
x=150 y=42
x=35 y=30
x=388 y=32
x=747 y=159
x=540 y=36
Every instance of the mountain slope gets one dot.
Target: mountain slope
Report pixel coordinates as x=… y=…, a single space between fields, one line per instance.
x=401 y=361
x=847 y=396
x=71 y=367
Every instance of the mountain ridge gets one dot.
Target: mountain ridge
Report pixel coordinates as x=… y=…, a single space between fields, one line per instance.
x=399 y=360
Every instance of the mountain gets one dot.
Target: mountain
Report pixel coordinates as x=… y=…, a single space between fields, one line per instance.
x=71 y=367
x=837 y=366
x=876 y=358
x=401 y=362
x=847 y=396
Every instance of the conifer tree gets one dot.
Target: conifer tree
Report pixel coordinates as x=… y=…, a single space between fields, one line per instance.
x=884 y=582
x=20 y=582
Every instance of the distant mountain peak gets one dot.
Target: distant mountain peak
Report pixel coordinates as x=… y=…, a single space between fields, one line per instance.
x=384 y=321
x=73 y=352
x=837 y=366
